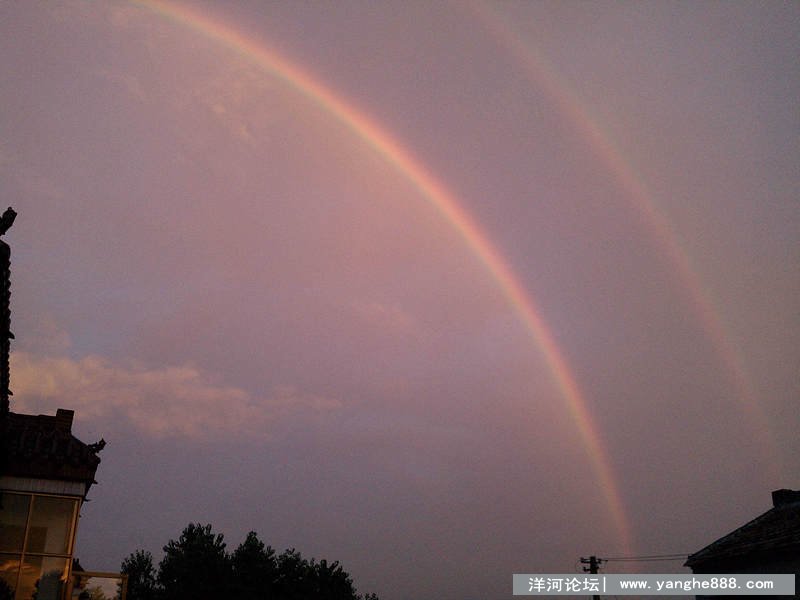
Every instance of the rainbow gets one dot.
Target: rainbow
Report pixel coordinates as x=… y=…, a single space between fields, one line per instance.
x=384 y=144
x=545 y=77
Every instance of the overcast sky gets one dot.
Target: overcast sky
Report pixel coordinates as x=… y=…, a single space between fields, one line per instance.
x=443 y=291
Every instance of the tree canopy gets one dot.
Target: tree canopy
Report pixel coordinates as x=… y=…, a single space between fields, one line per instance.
x=197 y=566
x=141 y=575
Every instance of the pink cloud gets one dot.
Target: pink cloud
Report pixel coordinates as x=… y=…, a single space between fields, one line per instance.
x=166 y=401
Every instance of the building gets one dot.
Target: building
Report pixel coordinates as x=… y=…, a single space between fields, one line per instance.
x=45 y=479
x=770 y=543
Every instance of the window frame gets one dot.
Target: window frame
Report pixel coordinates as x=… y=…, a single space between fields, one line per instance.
x=77 y=502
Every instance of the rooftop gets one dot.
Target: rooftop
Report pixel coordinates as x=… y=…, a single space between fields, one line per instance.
x=43 y=447
x=774 y=532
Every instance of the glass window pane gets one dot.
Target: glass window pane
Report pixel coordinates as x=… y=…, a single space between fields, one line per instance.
x=51 y=525
x=9 y=567
x=42 y=578
x=13 y=514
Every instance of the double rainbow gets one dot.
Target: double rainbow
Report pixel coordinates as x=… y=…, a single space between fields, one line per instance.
x=385 y=145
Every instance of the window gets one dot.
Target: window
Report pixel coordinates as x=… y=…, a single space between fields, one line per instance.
x=36 y=537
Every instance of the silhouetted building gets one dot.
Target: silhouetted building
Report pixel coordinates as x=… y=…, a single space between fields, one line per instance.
x=769 y=543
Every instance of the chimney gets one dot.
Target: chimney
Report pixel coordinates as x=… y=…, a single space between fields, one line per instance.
x=64 y=419
x=784 y=497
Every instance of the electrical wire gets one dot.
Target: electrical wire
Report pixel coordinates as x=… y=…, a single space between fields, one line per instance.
x=651 y=558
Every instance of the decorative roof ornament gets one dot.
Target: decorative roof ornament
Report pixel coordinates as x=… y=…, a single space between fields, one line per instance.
x=7 y=220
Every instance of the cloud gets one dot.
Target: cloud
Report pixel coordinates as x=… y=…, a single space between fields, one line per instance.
x=166 y=401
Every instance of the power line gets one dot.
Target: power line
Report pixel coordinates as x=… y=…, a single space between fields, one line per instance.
x=651 y=558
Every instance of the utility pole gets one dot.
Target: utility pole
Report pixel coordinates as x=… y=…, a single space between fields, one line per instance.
x=593 y=563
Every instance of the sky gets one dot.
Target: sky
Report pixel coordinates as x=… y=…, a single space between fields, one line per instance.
x=445 y=291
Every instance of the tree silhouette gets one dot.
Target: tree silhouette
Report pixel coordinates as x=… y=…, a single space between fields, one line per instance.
x=196 y=567
x=292 y=581
x=49 y=585
x=255 y=569
x=141 y=575
x=330 y=581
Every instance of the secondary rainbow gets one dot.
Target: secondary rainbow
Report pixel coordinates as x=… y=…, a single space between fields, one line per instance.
x=636 y=192
x=445 y=202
